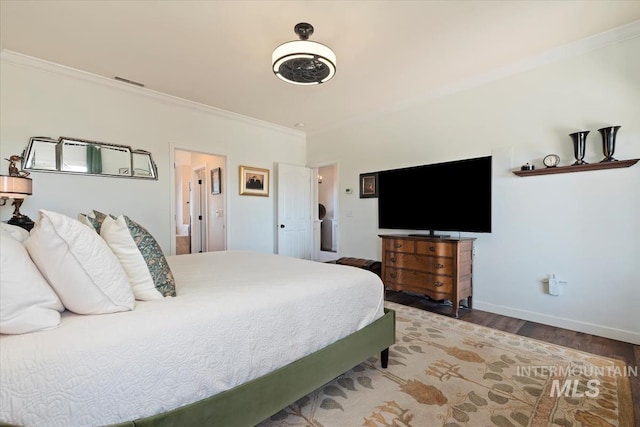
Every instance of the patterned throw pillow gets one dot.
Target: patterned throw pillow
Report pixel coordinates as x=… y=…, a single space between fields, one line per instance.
x=93 y=219
x=141 y=257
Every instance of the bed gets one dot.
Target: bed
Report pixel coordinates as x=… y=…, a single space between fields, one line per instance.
x=247 y=334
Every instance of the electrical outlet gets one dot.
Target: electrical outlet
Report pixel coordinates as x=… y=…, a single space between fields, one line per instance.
x=554 y=285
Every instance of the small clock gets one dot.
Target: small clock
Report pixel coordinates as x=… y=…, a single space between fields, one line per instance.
x=551 y=160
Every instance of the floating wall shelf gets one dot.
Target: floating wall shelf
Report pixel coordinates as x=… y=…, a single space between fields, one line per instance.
x=578 y=168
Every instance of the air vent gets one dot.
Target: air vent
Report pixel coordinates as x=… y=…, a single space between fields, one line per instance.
x=131 y=82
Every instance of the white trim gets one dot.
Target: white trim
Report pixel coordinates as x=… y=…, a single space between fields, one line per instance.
x=588 y=44
x=560 y=322
x=42 y=65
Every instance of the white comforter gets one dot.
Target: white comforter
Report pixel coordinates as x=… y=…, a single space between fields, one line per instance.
x=238 y=315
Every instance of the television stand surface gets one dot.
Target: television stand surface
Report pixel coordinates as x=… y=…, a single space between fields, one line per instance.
x=431 y=235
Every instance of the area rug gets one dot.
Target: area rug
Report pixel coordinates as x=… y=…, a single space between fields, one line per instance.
x=448 y=372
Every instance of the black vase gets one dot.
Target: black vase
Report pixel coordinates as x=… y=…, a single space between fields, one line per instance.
x=579 y=145
x=609 y=142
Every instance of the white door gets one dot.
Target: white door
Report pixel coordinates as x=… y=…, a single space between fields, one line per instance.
x=294 y=211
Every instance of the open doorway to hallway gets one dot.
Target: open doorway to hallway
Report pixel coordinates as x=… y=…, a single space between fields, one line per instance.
x=199 y=202
x=328 y=212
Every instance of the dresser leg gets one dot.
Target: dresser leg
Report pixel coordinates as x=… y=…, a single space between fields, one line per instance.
x=469 y=303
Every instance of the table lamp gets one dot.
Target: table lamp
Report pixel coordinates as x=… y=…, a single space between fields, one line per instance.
x=16 y=186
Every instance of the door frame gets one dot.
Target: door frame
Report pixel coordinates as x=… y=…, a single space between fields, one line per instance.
x=336 y=208
x=172 y=191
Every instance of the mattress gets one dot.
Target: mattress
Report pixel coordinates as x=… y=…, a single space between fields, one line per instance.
x=238 y=315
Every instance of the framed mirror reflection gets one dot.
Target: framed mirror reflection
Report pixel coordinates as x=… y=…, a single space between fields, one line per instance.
x=81 y=156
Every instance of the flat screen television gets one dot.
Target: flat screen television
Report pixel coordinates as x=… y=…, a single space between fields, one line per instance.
x=450 y=196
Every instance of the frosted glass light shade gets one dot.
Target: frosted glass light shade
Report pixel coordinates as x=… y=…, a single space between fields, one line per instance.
x=304 y=62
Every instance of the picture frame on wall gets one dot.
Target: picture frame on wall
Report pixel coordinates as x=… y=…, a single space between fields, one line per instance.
x=254 y=181
x=368 y=185
x=216 y=184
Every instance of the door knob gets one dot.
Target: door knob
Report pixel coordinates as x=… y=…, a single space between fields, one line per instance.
x=281 y=225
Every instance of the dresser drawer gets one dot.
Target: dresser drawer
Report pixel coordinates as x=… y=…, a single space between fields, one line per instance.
x=441 y=269
x=435 y=265
x=399 y=245
x=435 y=248
x=418 y=281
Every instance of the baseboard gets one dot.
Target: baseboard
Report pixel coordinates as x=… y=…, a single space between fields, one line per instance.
x=560 y=322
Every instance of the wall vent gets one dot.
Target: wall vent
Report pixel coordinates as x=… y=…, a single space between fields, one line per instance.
x=131 y=82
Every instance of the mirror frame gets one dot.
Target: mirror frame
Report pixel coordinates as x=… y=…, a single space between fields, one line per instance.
x=28 y=152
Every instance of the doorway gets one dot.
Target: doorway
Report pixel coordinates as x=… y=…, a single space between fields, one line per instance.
x=328 y=212
x=200 y=220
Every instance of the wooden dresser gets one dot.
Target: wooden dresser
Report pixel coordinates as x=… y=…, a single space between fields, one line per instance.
x=440 y=268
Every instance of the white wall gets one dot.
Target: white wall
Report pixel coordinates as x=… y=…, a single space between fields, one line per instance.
x=585 y=227
x=39 y=98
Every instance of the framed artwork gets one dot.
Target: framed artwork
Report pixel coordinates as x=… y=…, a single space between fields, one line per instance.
x=368 y=185
x=254 y=181
x=216 y=186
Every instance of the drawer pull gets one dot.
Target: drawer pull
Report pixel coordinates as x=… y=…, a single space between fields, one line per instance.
x=432 y=248
x=438 y=284
x=397 y=245
x=393 y=275
x=392 y=259
x=438 y=265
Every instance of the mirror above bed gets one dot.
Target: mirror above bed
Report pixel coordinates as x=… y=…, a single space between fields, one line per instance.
x=80 y=156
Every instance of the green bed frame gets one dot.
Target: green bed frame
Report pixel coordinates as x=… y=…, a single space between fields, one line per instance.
x=252 y=402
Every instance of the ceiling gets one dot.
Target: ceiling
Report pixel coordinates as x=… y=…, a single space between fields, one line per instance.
x=218 y=53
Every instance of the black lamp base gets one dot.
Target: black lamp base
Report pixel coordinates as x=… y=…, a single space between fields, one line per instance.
x=22 y=221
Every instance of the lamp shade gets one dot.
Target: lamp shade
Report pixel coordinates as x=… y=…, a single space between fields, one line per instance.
x=304 y=62
x=15 y=187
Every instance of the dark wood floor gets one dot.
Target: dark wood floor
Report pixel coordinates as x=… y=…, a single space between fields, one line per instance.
x=628 y=353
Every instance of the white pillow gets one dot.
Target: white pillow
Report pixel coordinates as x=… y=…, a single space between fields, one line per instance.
x=93 y=219
x=83 y=218
x=18 y=233
x=141 y=257
x=27 y=302
x=116 y=233
x=78 y=265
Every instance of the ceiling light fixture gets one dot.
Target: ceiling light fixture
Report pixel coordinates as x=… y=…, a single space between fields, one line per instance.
x=303 y=62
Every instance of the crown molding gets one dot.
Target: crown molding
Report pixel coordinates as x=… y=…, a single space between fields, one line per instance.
x=579 y=47
x=20 y=59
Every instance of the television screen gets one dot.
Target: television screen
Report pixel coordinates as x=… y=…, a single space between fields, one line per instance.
x=451 y=196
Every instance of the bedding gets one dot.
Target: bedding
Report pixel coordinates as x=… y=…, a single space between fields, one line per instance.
x=78 y=265
x=237 y=316
x=18 y=233
x=27 y=302
x=141 y=257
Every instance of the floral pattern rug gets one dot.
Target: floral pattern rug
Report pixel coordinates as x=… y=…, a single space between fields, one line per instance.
x=448 y=372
